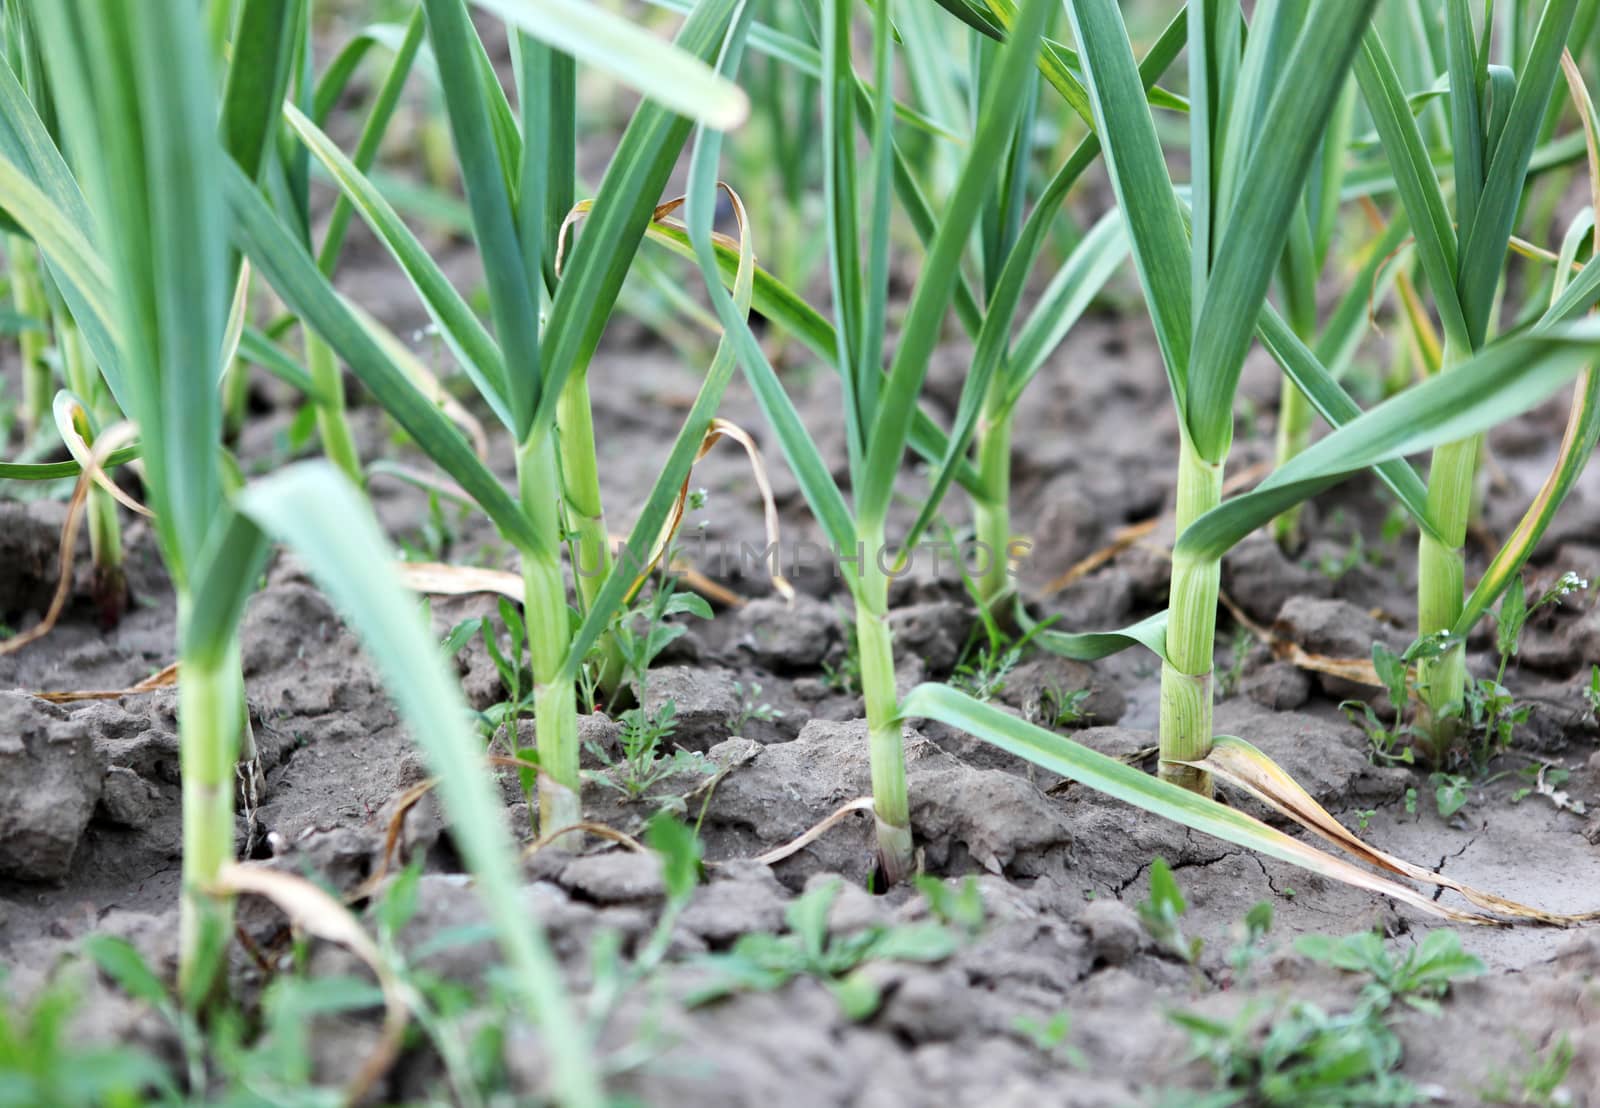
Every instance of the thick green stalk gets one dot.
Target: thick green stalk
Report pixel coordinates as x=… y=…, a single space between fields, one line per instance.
x=28 y=296
x=235 y=399
x=334 y=429
x=1294 y=430
x=991 y=513
x=210 y=716
x=1191 y=631
x=110 y=581
x=891 y=804
x=544 y=607
x=1442 y=681
x=580 y=482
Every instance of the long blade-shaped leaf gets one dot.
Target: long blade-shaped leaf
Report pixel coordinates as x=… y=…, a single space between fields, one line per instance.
x=675 y=77
x=1336 y=406
x=314 y=509
x=1123 y=782
x=474 y=348
x=1415 y=181
x=513 y=299
x=1139 y=177
x=27 y=143
x=1483 y=248
x=258 y=75
x=279 y=258
x=138 y=107
x=1466 y=120
x=647 y=530
x=616 y=225
x=1577 y=447
x=886 y=442
x=1501 y=381
x=1252 y=239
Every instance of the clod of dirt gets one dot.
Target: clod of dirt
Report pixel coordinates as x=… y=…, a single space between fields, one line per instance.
x=1042 y=688
x=615 y=878
x=704 y=700
x=933 y=632
x=1278 y=685
x=1325 y=755
x=1261 y=579
x=49 y=783
x=963 y=817
x=143 y=743
x=1068 y=527
x=1115 y=935
x=480 y=678
x=744 y=898
x=30 y=544
x=785 y=636
x=1103 y=599
x=126 y=799
x=931 y=1006
x=1337 y=629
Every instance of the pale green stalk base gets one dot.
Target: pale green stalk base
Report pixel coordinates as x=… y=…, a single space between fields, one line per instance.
x=1442 y=681
x=1294 y=428
x=1186 y=677
x=210 y=712
x=555 y=706
x=580 y=482
x=891 y=803
x=235 y=399
x=332 y=427
x=109 y=582
x=991 y=514
x=109 y=579
x=27 y=295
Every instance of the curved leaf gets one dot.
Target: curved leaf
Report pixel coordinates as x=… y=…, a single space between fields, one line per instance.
x=1499 y=382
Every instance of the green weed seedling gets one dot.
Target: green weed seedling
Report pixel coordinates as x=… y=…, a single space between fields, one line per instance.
x=1342 y=1060
x=751 y=707
x=1250 y=939
x=762 y=962
x=40 y=1063
x=960 y=907
x=641 y=636
x=1049 y=1036
x=1419 y=978
x=1162 y=911
x=1539 y=1084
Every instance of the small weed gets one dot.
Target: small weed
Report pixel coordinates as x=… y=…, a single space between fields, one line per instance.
x=1063 y=708
x=983 y=676
x=1541 y=1084
x=1449 y=792
x=1592 y=693
x=1050 y=1037
x=1228 y=680
x=641 y=637
x=1419 y=978
x=1546 y=781
x=761 y=962
x=1250 y=935
x=960 y=907
x=1301 y=1054
x=41 y=1064
x=845 y=675
x=1364 y=817
x=1162 y=911
x=751 y=707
